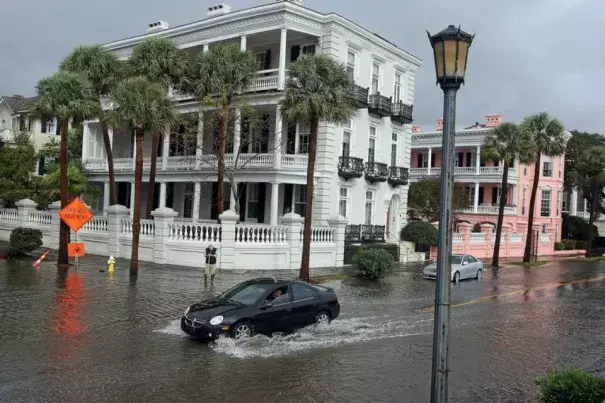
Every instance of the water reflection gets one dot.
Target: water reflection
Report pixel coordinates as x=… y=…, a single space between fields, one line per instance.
x=68 y=317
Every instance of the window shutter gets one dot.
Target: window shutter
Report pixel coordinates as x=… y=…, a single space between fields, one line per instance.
x=262 y=190
x=294 y=53
x=43 y=125
x=267 y=65
x=288 y=190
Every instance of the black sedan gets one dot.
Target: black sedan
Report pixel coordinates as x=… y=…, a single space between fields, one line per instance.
x=263 y=305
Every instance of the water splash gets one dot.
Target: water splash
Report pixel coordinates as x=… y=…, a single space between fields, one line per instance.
x=173 y=328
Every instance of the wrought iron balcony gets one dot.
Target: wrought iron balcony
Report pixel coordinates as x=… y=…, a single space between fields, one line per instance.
x=402 y=113
x=361 y=96
x=350 y=167
x=376 y=172
x=364 y=233
x=398 y=176
x=379 y=105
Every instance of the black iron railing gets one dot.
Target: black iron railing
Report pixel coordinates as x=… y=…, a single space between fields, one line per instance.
x=350 y=167
x=361 y=96
x=379 y=105
x=402 y=113
x=398 y=176
x=376 y=172
x=365 y=233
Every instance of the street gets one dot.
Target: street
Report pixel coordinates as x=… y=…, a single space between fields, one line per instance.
x=87 y=336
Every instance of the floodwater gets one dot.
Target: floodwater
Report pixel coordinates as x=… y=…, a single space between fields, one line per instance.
x=86 y=336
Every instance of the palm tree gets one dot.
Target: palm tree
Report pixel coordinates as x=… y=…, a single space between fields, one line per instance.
x=162 y=62
x=144 y=106
x=216 y=77
x=317 y=88
x=591 y=165
x=78 y=182
x=549 y=138
x=507 y=143
x=67 y=96
x=103 y=70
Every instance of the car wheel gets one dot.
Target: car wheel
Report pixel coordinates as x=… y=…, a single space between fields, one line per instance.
x=479 y=274
x=323 y=318
x=243 y=330
x=457 y=277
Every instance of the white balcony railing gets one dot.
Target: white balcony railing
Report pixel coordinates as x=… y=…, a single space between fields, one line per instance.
x=508 y=210
x=461 y=171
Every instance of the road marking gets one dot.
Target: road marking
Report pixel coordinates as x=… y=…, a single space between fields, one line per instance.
x=517 y=292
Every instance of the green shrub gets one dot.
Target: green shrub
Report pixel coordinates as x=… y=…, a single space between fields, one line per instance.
x=24 y=241
x=576 y=227
x=351 y=250
x=580 y=244
x=559 y=246
x=420 y=232
x=571 y=386
x=373 y=263
x=570 y=244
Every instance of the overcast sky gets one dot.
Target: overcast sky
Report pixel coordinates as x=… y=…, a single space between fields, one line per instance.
x=528 y=55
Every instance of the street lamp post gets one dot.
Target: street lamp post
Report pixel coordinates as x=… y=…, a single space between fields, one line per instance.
x=450 y=49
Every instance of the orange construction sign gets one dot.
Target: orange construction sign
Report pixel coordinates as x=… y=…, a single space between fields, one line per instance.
x=75 y=249
x=75 y=214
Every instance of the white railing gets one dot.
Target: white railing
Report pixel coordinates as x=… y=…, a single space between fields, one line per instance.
x=147 y=227
x=188 y=231
x=260 y=234
x=477 y=237
x=456 y=237
x=516 y=238
x=264 y=80
x=97 y=164
x=462 y=171
x=508 y=210
x=465 y=170
x=96 y=224
x=180 y=162
x=294 y=160
x=545 y=238
x=9 y=214
x=254 y=160
x=320 y=235
x=40 y=217
x=123 y=163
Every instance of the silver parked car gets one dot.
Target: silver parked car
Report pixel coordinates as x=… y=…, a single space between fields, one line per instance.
x=463 y=266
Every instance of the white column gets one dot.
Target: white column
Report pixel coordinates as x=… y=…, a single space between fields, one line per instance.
x=162 y=195
x=196 y=201
x=476 y=198
x=134 y=150
x=274 y=202
x=478 y=160
x=573 y=203
x=200 y=140
x=165 y=149
x=237 y=133
x=243 y=42
x=231 y=199
x=85 y=134
x=515 y=196
x=277 y=138
x=282 y=59
x=105 y=197
x=206 y=47
x=131 y=199
x=430 y=158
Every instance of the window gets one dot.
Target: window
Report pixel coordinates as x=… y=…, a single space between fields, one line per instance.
x=301 y=292
x=544 y=228
x=279 y=296
x=253 y=193
x=560 y=166
x=369 y=207
x=16 y=123
x=2 y=124
x=547 y=169
x=372 y=145
x=300 y=199
x=343 y=204
x=304 y=134
x=308 y=50
x=471 y=195
x=523 y=200
x=564 y=203
x=558 y=202
x=545 y=204
x=346 y=139
x=262 y=59
x=49 y=126
x=375 y=78
x=394 y=140
x=525 y=170
x=471 y=259
x=351 y=64
x=397 y=89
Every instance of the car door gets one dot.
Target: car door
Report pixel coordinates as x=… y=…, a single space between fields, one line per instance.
x=464 y=267
x=474 y=266
x=304 y=304
x=277 y=314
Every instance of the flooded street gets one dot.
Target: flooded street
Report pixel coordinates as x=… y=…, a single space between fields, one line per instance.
x=85 y=336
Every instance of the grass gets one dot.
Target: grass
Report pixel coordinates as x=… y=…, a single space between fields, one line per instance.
x=586 y=259
x=530 y=264
x=328 y=277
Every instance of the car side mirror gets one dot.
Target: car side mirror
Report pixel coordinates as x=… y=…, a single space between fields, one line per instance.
x=266 y=305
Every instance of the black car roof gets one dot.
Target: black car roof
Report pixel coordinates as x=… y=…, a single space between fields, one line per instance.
x=271 y=280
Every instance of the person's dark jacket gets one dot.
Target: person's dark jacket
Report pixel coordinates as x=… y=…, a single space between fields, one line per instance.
x=210 y=255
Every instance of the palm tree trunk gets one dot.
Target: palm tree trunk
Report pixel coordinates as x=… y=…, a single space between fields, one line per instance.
x=222 y=144
x=532 y=205
x=136 y=219
x=306 y=252
x=109 y=153
x=63 y=258
x=593 y=214
x=155 y=144
x=496 y=256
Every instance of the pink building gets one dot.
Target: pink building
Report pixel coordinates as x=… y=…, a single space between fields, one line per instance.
x=483 y=179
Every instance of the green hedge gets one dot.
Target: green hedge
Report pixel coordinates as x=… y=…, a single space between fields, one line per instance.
x=24 y=241
x=559 y=246
x=373 y=263
x=571 y=386
x=419 y=232
x=351 y=250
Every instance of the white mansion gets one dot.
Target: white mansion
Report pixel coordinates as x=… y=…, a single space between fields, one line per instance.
x=362 y=167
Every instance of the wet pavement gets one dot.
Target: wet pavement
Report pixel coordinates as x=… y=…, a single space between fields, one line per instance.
x=86 y=336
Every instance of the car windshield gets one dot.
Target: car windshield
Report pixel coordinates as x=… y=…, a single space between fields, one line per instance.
x=246 y=293
x=457 y=259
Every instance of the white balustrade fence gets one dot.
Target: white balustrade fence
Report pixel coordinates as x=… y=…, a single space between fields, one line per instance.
x=456 y=237
x=257 y=234
x=9 y=214
x=42 y=218
x=96 y=224
x=477 y=237
x=147 y=227
x=188 y=231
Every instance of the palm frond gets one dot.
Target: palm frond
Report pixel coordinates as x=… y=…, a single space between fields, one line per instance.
x=101 y=67
x=548 y=133
x=508 y=142
x=160 y=60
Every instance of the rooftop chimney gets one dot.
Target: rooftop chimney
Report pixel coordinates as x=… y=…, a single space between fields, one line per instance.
x=415 y=129
x=493 y=120
x=17 y=96
x=158 y=26
x=439 y=125
x=218 y=9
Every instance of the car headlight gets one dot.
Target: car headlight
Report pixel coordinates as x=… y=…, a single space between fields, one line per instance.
x=187 y=310
x=216 y=320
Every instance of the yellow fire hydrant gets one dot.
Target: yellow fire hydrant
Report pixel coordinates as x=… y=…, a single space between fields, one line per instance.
x=110 y=264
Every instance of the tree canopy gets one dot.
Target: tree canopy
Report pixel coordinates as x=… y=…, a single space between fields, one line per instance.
x=424 y=196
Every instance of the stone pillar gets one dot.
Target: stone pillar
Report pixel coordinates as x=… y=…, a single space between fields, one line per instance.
x=522 y=229
x=277 y=139
x=85 y=140
x=339 y=223
x=282 y=59
x=165 y=149
x=294 y=223
x=197 y=187
x=55 y=223
x=476 y=198
x=131 y=199
x=478 y=161
x=243 y=40
x=573 y=203
x=488 y=229
x=274 y=202
x=105 y=197
x=430 y=159
x=115 y=215
x=24 y=207
x=163 y=218
x=162 y=194
x=465 y=229
x=227 y=249
x=206 y=47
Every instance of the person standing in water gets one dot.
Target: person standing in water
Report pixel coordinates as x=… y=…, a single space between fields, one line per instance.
x=210 y=263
